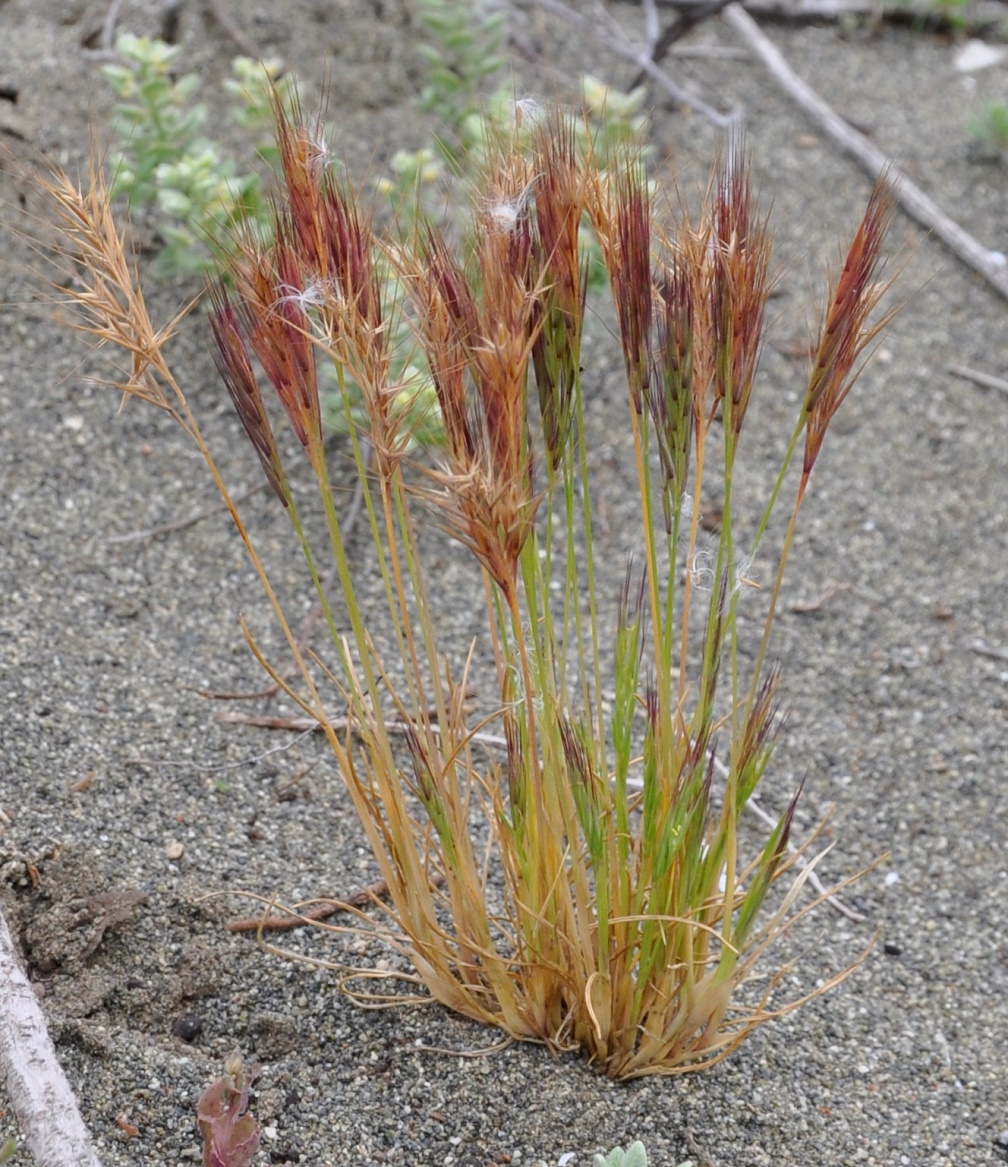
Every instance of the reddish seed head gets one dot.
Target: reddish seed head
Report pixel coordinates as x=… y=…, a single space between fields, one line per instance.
x=559 y=202
x=671 y=399
x=630 y=272
x=500 y=354
x=302 y=163
x=232 y=360
x=763 y=717
x=846 y=332
x=349 y=260
x=334 y=248
x=578 y=765
x=273 y=319
x=787 y=825
x=739 y=283
x=448 y=323
x=478 y=350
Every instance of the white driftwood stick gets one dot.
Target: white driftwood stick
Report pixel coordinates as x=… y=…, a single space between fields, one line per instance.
x=43 y=1102
x=989 y=264
x=984 y=380
x=982 y=13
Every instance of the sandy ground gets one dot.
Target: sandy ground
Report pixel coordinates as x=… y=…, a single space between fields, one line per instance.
x=115 y=773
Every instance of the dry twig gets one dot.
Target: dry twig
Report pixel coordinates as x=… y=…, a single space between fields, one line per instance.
x=982 y=15
x=107 y=41
x=989 y=264
x=216 y=768
x=608 y=32
x=991 y=651
x=984 y=380
x=340 y=724
x=663 y=41
x=311 y=911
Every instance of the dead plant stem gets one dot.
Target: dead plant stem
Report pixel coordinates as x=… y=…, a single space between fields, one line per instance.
x=987 y=263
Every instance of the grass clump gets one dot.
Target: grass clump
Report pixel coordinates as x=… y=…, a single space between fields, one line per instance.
x=588 y=887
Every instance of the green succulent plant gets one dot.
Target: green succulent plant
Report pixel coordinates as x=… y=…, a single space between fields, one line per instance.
x=164 y=161
x=633 y=1156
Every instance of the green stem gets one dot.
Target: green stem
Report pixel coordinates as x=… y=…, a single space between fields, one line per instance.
x=599 y=715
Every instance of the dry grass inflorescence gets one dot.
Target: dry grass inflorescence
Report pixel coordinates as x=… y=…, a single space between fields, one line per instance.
x=586 y=885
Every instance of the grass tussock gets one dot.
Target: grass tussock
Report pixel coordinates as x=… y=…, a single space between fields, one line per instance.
x=605 y=903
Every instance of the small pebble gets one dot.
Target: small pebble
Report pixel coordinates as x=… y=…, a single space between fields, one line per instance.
x=188 y=1027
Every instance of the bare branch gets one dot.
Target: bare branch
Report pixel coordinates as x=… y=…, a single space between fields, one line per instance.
x=989 y=264
x=686 y=20
x=651 y=25
x=43 y=1102
x=608 y=32
x=978 y=377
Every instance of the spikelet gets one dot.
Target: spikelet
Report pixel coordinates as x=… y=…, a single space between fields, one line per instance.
x=846 y=331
